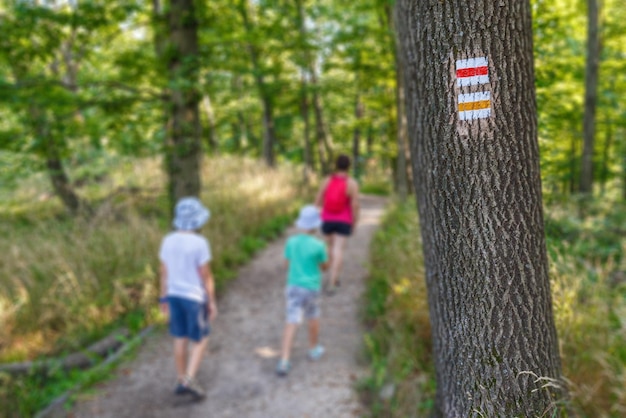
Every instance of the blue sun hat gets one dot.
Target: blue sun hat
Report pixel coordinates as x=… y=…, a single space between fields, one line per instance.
x=309 y=218
x=190 y=214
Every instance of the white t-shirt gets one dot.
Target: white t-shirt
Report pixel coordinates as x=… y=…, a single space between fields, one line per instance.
x=183 y=253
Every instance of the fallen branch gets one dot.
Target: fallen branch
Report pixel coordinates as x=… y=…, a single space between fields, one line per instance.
x=79 y=360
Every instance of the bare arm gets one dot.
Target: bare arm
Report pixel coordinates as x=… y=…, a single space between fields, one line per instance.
x=209 y=284
x=163 y=294
x=353 y=191
x=319 y=200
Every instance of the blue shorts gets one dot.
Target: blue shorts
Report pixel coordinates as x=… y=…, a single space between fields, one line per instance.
x=301 y=302
x=188 y=318
x=340 y=228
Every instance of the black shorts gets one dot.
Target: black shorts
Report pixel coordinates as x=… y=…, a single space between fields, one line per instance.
x=340 y=228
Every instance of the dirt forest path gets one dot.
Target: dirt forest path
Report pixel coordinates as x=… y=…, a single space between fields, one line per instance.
x=238 y=372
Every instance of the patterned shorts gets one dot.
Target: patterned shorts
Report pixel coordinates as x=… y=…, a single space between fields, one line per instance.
x=301 y=302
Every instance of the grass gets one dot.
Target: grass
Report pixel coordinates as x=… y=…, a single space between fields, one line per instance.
x=67 y=282
x=374 y=179
x=399 y=342
x=588 y=280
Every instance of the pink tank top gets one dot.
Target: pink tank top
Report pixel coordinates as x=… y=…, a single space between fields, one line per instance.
x=345 y=214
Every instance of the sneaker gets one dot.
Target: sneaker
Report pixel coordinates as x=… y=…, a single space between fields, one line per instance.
x=195 y=389
x=190 y=386
x=180 y=389
x=330 y=289
x=316 y=353
x=282 y=368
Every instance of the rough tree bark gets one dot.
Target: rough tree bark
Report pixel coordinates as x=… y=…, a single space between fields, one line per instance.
x=591 y=94
x=479 y=196
x=176 y=42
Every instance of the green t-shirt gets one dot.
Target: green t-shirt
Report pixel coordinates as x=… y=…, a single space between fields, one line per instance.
x=305 y=254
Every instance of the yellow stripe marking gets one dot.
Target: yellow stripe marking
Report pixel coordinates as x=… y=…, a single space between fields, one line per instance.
x=481 y=104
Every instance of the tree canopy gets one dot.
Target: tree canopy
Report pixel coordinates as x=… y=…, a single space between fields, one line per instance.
x=83 y=81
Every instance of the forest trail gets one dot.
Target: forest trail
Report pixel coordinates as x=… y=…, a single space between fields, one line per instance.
x=238 y=372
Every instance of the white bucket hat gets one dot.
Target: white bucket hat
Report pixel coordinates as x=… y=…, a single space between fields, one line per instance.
x=190 y=214
x=309 y=218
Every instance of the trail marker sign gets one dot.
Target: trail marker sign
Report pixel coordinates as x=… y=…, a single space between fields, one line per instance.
x=472 y=71
x=475 y=105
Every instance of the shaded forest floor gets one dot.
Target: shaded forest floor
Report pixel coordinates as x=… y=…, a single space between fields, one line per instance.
x=238 y=371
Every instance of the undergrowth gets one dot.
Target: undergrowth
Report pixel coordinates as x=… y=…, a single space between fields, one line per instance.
x=65 y=282
x=401 y=382
x=588 y=278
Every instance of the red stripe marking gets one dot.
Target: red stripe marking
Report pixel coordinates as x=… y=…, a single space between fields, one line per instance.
x=471 y=72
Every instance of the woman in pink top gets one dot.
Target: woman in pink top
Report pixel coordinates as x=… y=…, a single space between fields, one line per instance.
x=338 y=199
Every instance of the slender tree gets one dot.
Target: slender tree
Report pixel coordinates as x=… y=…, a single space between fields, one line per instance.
x=356 y=136
x=473 y=128
x=304 y=57
x=265 y=93
x=591 y=93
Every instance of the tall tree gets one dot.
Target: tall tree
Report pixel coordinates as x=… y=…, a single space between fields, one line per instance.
x=177 y=43
x=303 y=58
x=401 y=178
x=473 y=127
x=43 y=52
x=591 y=93
x=265 y=93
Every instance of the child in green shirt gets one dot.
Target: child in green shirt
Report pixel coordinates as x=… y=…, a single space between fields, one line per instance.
x=306 y=257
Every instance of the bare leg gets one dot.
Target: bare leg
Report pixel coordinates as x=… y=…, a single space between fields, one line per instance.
x=314 y=331
x=180 y=357
x=290 y=331
x=329 y=246
x=197 y=352
x=336 y=258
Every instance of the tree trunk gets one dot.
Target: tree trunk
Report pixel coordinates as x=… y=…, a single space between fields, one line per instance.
x=476 y=173
x=61 y=183
x=54 y=163
x=309 y=159
x=176 y=44
x=591 y=93
x=356 y=138
x=241 y=131
x=608 y=141
x=402 y=175
x=322 y=135
x=51 y=148
x=621 y=132
x=269 y=134
x=573 y=166
x=212 y=131
x=309 y=164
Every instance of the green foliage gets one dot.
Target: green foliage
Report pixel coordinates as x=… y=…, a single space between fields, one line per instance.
x=560 y=49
